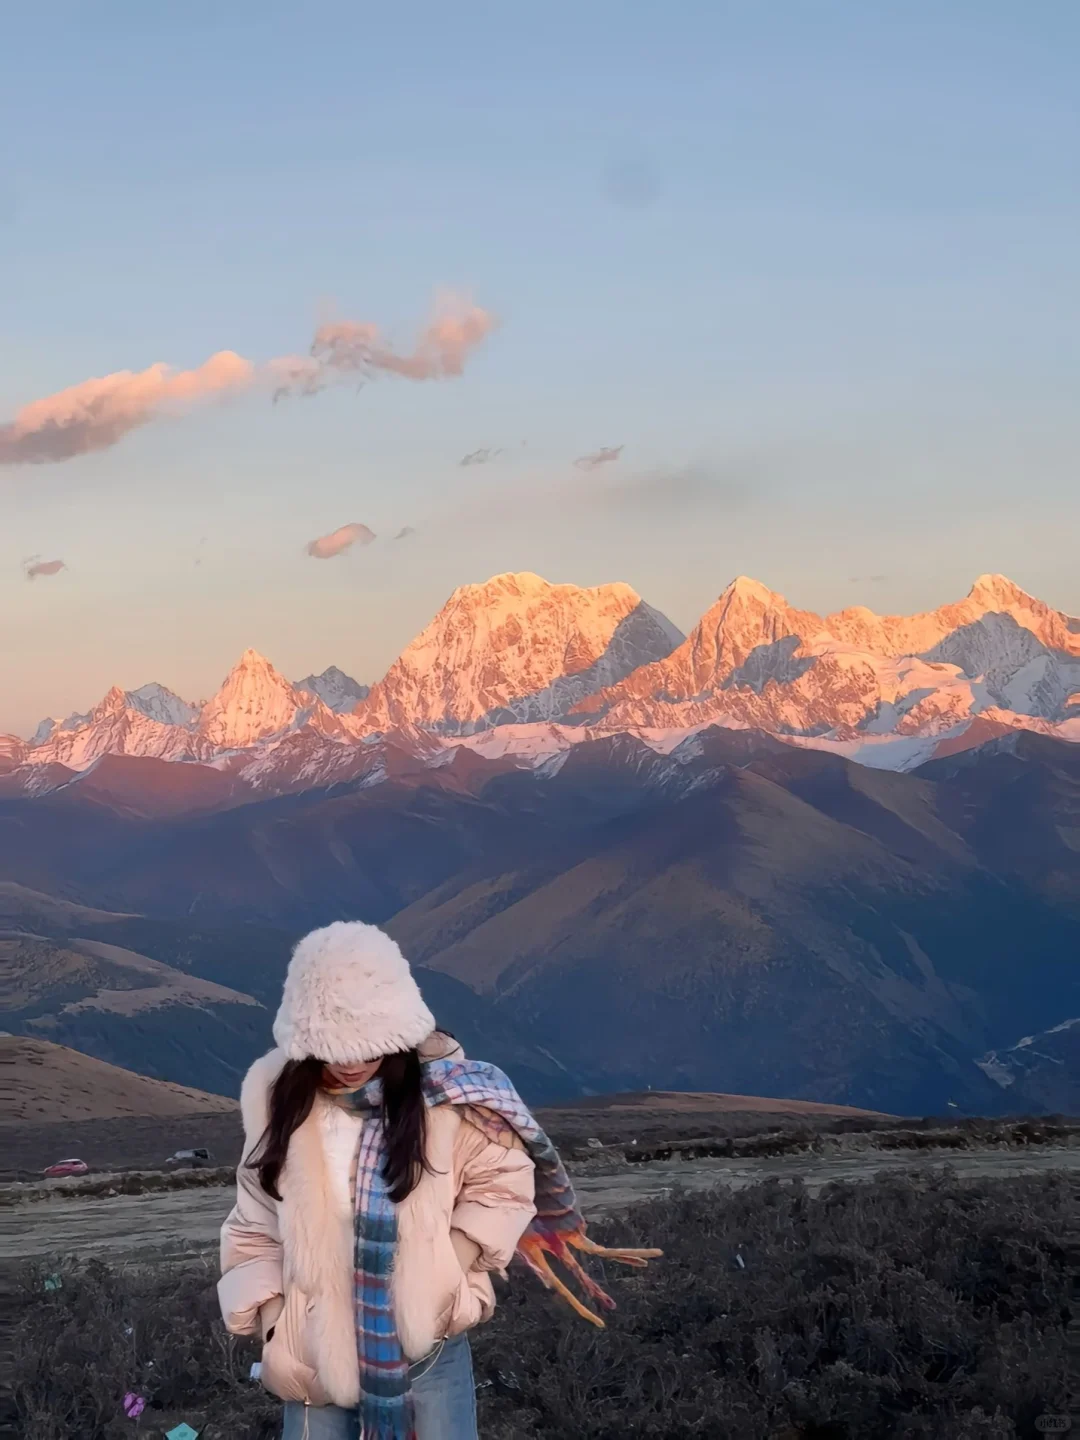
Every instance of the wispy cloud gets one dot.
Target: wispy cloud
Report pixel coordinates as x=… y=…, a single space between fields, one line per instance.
x=604 y=456
x=405 y=532
x=34 y=566
x=867 y=579
x=350 y=349
x=480 y=457
x=340 y=540
x=96 y=414
x=445 y=343
x=666 y=489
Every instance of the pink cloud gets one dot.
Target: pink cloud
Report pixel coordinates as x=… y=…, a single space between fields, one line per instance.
x=440 y=352
x=34 y=567
x=340 y=540
x=97 y=413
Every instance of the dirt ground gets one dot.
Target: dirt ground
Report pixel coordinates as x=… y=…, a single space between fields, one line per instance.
x=136 y=1142
x=184 y=1224
x=144 y=1142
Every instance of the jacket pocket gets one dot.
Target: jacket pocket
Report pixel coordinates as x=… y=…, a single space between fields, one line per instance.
x=426 y=1286
x=285 y=1371
x=283 y=1375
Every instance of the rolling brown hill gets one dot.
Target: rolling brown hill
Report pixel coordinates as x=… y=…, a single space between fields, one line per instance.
x=704 y=1102
x=24 y=909
x=53 y=1083
x=43 y=979
x=124 y=1007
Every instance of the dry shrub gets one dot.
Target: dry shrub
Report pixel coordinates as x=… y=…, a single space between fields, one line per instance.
x=75 y=1358
x=893 y=1308
x=899 y=1307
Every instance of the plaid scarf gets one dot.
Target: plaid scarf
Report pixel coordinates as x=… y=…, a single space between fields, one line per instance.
x=495 y=1107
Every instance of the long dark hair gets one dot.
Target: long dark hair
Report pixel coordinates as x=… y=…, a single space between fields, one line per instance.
x=404 y=1115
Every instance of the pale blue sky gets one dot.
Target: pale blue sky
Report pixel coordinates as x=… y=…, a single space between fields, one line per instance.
x=815 y=265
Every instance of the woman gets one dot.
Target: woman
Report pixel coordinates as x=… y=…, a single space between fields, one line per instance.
x=385 y=1177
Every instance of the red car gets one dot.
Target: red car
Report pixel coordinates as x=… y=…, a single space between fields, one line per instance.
x=67 y=1167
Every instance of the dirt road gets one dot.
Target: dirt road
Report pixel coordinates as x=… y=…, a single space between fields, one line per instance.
x=184 y=1223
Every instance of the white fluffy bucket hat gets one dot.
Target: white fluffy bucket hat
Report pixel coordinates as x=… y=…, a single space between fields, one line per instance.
x=350 y=997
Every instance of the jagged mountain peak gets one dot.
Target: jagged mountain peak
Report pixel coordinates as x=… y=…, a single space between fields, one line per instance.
x=111 y=703
x=332 y=672
x=253 y=660
x=515 y=584
x=150 y=721
x=526 y=585
x=921 y=634
x=746 y=616
x=338 y=691
x=516 y=649
x=754 y=659
x=158 y=702
x=745 y=587
x=518 y=581
x=750 y=635
x=255 y=701
x=991 y=589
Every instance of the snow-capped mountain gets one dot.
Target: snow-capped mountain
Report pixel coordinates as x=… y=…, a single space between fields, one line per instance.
x=990 y=595
x=338 y=691
x=754 y=660
x=13 y=752
x=514 y=650
x=254 y=703
x=257 y=704
x=52 y=723
x=125 y=722
x=523 y=671
x=157 y=703
x=115 y=726
x=153 y=700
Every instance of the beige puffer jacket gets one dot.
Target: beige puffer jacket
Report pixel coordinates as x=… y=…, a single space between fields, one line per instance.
x=288 y=1266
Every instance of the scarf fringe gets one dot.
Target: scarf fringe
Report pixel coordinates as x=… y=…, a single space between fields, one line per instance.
x=386 y=1430
x=558 y=1227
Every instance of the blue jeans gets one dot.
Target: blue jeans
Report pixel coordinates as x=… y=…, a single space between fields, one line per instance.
x=444 y=1398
